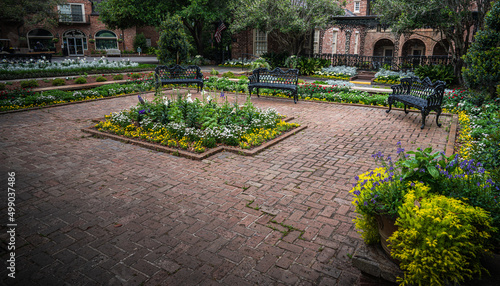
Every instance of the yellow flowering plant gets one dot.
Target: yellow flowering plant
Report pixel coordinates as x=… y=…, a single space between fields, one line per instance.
x=439 y=240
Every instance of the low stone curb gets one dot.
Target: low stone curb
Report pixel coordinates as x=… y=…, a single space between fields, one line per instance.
x=194 y=156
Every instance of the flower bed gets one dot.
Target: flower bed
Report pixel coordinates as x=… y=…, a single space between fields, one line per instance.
x=446 y=209
x=390 y=77
x=43 y=68
x=337 y=72
x=197 y=125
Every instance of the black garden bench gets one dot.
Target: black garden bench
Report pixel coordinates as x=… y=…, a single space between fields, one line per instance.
x=179 y=75
x=275 y=79
x=421 y=94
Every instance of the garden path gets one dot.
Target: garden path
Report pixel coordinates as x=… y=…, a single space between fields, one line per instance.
x=94 y=211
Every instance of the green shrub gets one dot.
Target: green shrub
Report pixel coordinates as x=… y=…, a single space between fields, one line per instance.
x=436 y=72
x=482 y=71
x=100 y=79
x=29 y=83
x=2 y=86
x=140 y=42
x=80 y=80
x=58 y=82
x=276 y=59
x=118 y=77
x=228 y=74
x=214 y=72
x=440 y=240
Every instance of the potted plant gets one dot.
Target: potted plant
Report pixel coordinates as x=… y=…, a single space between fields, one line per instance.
x=91 y=41
x=444 y=209
x=55 y=40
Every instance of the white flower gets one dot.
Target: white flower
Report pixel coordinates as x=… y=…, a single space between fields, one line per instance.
x=188 y=98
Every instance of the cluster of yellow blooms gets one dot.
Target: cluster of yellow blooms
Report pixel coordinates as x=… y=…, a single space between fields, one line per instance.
x=166 y=138
x=464 y=136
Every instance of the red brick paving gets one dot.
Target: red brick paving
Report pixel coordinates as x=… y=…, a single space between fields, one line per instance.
x=97 y=211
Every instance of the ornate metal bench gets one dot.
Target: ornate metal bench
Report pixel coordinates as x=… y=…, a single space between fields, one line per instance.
x=275 y=79
x=421 y=94
x=179 y=75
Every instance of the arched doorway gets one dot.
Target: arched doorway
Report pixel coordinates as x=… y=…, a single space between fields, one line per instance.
x=40 y=40
x=75 y=42
x=441 y=48
x=106 y=40
x=383 y=52
x=413 y=53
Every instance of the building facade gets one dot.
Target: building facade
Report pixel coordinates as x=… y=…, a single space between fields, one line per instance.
x=79 y=33
x=357 y=33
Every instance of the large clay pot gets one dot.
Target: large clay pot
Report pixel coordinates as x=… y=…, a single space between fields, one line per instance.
x=386 y=227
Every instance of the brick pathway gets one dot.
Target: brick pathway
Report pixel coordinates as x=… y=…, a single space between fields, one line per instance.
x=94 y=211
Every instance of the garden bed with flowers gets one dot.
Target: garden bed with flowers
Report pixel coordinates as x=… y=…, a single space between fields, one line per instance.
x=446 y=213
x=197 y=128
x=69 y=67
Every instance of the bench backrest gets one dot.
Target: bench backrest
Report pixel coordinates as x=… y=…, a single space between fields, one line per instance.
x=276 y=76
x=178 y=72
x=424 y=89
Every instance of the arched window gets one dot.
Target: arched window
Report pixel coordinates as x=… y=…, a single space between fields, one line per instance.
x=40 y=40
x=105 y=40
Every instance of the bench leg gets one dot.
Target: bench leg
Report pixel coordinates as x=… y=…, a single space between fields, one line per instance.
x=405 y=110
x=258 y=92
x=424 y=114
x=295 y=97
x=437 y=116
x=390 y=105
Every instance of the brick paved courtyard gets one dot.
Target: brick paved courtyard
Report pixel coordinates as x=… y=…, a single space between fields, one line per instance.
x=96 y=211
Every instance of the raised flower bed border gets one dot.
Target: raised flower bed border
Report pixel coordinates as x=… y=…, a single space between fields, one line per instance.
x=195 y=156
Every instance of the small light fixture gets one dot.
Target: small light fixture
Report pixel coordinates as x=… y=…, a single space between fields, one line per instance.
x=379 y=28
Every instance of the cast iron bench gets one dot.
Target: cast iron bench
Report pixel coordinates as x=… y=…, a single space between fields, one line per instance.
x=179 y=75
x=275 y=79
x=421 y=94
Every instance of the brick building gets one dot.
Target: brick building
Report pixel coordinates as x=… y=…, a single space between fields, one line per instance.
x=79 y=32
x=358 y=32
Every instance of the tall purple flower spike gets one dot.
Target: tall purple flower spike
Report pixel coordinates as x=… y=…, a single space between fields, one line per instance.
x=140 y=99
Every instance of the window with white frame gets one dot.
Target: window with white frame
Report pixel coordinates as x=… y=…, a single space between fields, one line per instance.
x=357 y=6
x=71 y=13
x=259 y=42
x=356 y=42
x=334 y=41
x=317 y=34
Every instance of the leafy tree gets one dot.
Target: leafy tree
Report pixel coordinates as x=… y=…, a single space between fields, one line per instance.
x=194 y=14
x=173 y=44
x=289 y=22
x=29 y=12
x=483 y=58
x=454 y=20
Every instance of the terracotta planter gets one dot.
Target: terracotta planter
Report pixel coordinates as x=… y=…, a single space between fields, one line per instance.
x=386 y=227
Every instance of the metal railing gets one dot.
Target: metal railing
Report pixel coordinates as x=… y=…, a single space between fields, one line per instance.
x=76 y=18
x=375 y=62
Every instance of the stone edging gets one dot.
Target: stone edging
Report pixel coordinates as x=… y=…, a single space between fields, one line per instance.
x=194 y=156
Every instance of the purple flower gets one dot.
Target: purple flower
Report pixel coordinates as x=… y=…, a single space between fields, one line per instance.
x=366 y=203
x=412 y=184
x=222 y=94
x=357 y=193
x=142 y=111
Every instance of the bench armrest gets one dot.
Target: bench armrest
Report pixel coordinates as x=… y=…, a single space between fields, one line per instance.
x=253 y=78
